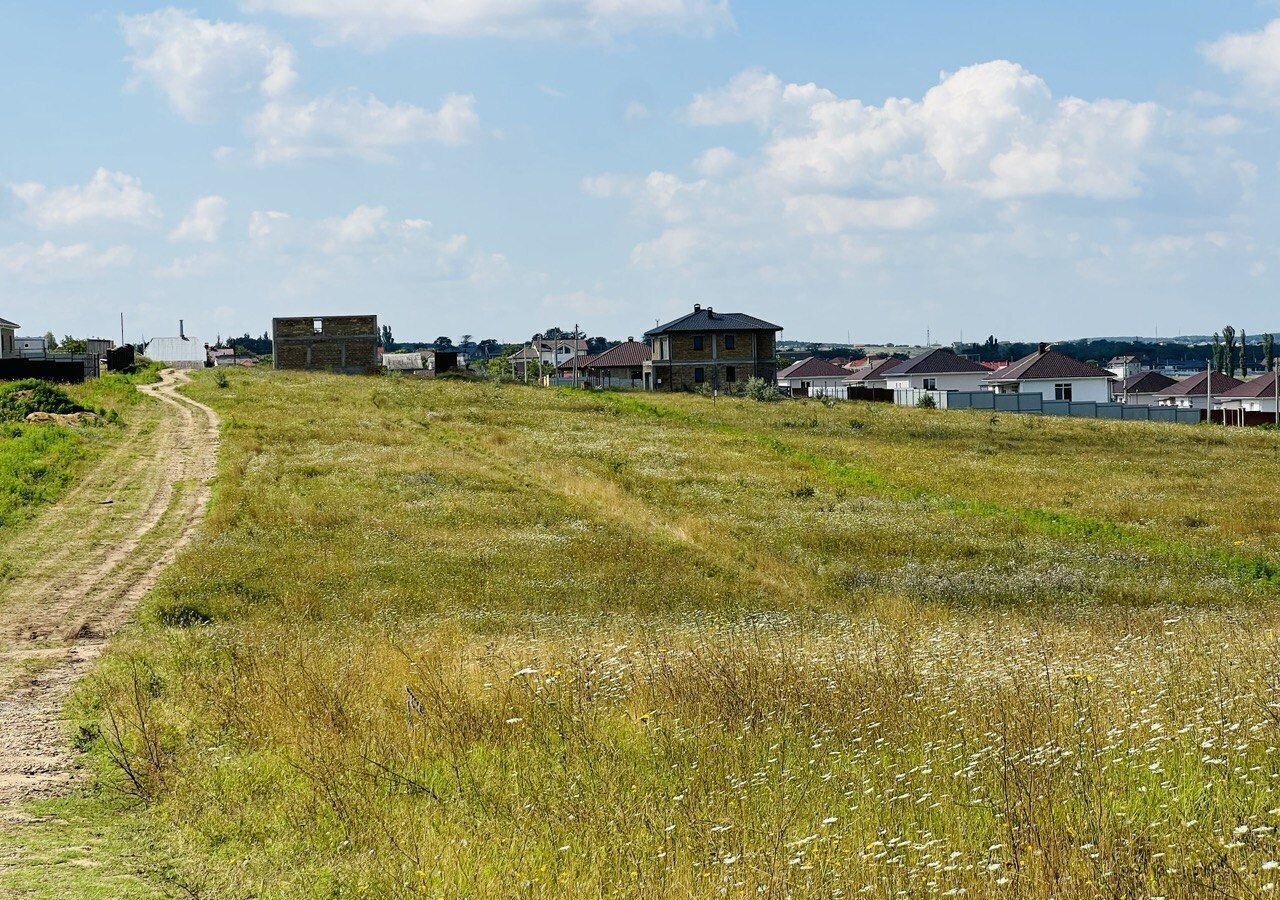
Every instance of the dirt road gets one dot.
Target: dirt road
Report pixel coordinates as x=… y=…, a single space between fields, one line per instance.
x=82 y=568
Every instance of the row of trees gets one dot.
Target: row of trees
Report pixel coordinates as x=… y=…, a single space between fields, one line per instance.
x=1229 y=356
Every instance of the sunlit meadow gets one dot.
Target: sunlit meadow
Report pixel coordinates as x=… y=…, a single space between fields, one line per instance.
x=468 y=640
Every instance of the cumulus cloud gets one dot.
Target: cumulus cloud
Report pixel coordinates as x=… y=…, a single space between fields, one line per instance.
x=108 y=197
x=379 y=21
x=351 y=125
x=197 y=63
x=49 y=261
x=1253 y=57
x=204 y=222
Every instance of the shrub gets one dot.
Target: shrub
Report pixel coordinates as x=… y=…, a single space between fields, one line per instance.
x=761 y=391
x=927 y=402
x=220 y=379
x=20 y=399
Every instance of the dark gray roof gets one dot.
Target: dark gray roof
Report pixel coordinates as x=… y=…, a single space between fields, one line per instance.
x=938 y=361
x=706 y=319
x=1146 y=383
x=1262 y=386
x=5 y=323
x=813 y=367
x=1048 y=363
x=1195 y=385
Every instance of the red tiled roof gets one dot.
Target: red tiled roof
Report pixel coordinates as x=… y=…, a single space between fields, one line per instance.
x=1262 y=386
x=627 y=355
x=938 y=361
x=580 y=362
x=1048 y=363
x=1219 y=384
x=1146 y=383
x=812 y=367
x=874 y=372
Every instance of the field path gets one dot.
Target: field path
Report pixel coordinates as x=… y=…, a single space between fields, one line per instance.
x=82 y=568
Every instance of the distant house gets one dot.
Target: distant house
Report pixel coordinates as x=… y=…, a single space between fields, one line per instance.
x=1054 y=376
x=8 y=344
x=1140 y=389
x=574 y=367
x=872 y=376
x=620 y=366
x=34 y=347
x=549 y=352
x=181 y=352
x=1198 y=391
x=939 y=369
x=407 y=363
x=1124 y=366
x=709 y=349
x=1255 y=395
x=347 y=344
x=813 y=377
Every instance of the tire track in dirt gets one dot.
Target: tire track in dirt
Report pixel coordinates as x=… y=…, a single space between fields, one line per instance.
x=59 y=629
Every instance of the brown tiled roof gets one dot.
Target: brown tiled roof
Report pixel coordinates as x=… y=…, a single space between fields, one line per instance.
x=1220 y=384
x=938 y=361
x=1048 y=363
x=580 y=362
x=813 y=367
x=874 y=372
x=1145 y=383
x=1262 y=386
x=628 y=354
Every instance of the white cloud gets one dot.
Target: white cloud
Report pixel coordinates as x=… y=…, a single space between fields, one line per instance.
x=198 y=63
x=636 y=112
x=824 y=214
x=108 y=197
x=581 y=303
x=715 y=161
x=49 y=261
x=1253 y=57
x=362 y=224
x=263 y=224
x=204 y=222
x=348 y=125
x=379 y=21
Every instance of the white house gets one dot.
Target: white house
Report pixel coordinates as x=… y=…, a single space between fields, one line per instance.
x=939 y=369
x=1054 y=376
x=1259 y=394
x=1124 y=366
x=1141 y=389
x=814 y=377
x=1197 y=392
x=872 y=376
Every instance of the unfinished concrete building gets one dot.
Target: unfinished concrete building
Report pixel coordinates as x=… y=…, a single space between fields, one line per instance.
x=327 y=343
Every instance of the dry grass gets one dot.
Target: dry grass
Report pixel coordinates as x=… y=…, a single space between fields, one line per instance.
x=471 y=641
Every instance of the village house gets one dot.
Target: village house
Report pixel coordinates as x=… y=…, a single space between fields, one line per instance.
x=1198 y=391
x=620 y=366
x=8 y=340
x=939 y=369
x=814 y=377
x=1259 y=394
x=1054 y=376
x=1123 y=367
x=181 y=352
x=346 y=344
x=872 y=375
x=1140 y=389
x=555 y=353
x=707 y=349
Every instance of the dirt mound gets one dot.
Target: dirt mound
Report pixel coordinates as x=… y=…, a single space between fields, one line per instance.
x=75 y=418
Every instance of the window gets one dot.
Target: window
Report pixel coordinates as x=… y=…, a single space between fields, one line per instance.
x=1062 y=391
x=699 y=375
x=931 y=384
x=730 y=374
x=317 y=326
x=697 y=342
x=730 y=343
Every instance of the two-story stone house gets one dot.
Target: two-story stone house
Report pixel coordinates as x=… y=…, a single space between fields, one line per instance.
x=712 y=350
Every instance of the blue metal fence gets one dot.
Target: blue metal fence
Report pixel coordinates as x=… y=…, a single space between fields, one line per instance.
x=1035 y=403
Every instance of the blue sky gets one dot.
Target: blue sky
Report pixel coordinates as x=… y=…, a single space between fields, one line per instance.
x=490 y=168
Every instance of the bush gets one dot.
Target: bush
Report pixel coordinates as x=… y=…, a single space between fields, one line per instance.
x=20 y=399
x=926 y=401
x=221 y=380
x=761 y=391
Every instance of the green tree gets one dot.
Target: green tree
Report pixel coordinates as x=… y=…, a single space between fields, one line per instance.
x=1244 y=351
x=444 y=343
x=50 y=342
x=387 y=340
x=1228 y=350
x=68 y=344
x=1268 y=351
x=1216 y=351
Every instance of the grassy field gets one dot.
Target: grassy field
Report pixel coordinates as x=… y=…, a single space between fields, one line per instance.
x=468 y=640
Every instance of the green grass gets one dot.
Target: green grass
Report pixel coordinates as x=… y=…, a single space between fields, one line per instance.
x=457 y=639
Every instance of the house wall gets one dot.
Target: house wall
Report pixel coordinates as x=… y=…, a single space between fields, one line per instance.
x=754 y=355
x=7 y=346
x=823 y=385
x=1083 y=390
x=961 y=381
x=340 y=343
x=180 y=353
x=1138 y=399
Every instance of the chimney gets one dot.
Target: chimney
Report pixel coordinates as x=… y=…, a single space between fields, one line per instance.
x=711 y=313
x=697 y=307
x=630 y=339
x=182 y=334
x=1044 y=348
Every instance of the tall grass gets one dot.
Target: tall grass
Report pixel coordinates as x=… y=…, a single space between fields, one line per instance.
x=448 y=639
